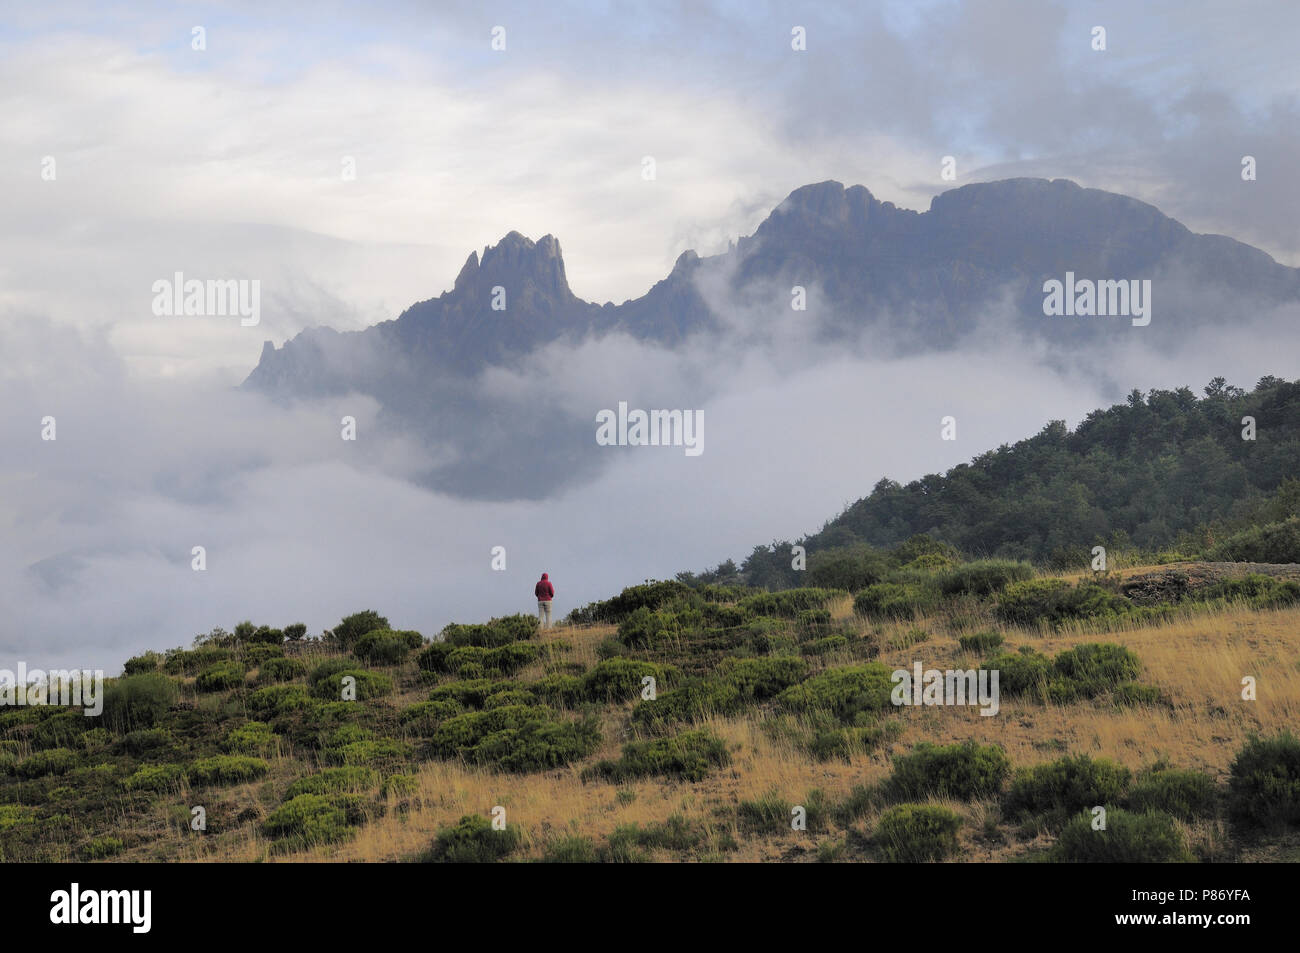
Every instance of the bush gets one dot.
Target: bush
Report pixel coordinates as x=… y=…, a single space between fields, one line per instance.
x=651 y=595
x=470 y=693
x=563 y=691
x=619 y=679
x=1147 y=838
x=386 y=647
x=226 y=769
x=759 y=678
x=571 y=850
x=980 y=642
x=693 y=700
x=327 y=682
x=145 y=662
x=348 y=632
x=916 y=833
x=52 y=761
x=1257 y=591
x=515 y=738
x=1096 y=667
x=1271 y=543
x=281 y=670
x=964 y=772
x=334 y=781
x=690 y=755
x=278 y=700
x=424 y=717
x=1059 y=788
x=137 y=701
x=101 y=847
x=473 y=841
x=894 y=600
x=220 y=677
x=1186 y=795
x=494 y=634
x=312 y=819
x=644 y=629
x=252 y=737
x=1264 y=782
x=146 y=740
x=788 y=603
x=845 y=692
x=984 y=577
x=1052 y=601
x=849 y=569
x=296 y=631
x=155 y=777
x=1024 y=673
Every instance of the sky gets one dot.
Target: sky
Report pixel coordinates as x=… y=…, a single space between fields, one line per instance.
x=127 y=154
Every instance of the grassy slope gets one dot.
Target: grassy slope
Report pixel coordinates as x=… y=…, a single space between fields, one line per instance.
x=1197 y=660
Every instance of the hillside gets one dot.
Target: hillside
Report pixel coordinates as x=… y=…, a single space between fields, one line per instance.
x=1164 y=470
x=769 y=708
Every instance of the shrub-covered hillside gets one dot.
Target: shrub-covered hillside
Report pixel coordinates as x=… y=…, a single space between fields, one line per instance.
x=699 y=723
x=1162 y=470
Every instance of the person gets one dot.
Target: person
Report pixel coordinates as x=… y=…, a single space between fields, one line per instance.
x=545 y=592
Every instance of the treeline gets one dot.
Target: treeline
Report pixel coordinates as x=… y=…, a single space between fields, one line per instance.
x=1166 y=473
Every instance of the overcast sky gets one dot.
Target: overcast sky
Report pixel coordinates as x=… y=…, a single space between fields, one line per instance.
x=227 y=161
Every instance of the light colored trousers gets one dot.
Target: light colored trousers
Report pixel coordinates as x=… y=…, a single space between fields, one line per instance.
x=544 y=612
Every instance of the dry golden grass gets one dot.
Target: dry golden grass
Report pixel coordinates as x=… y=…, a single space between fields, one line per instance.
x=1198 y=662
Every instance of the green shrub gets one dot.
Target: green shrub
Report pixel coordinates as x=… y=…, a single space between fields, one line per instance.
x=147 y=740
x=1095 y=667
x=252 y=737
x=1264 y=782
x=475 y=661
x=894 y=600
x=837 y=741
x=1257 y=591
x=281 y=670
x=690 y=755
x=353 y=778
x=310 y=819
x=470 y=693
x=400 y=785
x=255 y=655
x=101 y=847
x=434 y=657
x=619 y=679
x=225 y=769
x=1270 y=543
x=760 y=678
x=571 y=850
x=348 y=632
x=386 y=647
x=51 y=761
x=651 y=595
x=646 y=629
x=563 y=691
x=693 y=700
x=1186 y=795
x=137 y=701
x=964 y=772
x=1135 y=695
x=823 y=646
x=980 y=642
x=181 y=662
x=1147 y=838
x=494 y=634
x=59 y=728
x=516 y=738
x=368 y=751
x=788 y=603
x=155 y=777
x=295 y=632
x=849 y=568
x=1061 y=787
x=329 y=685
x=220 y=677
x=916 y=833
x=845 y=692
x=473 y=841
x=278 y=700
x=145 y=662
x=1022 y=673
x=984 y=577
x=424 y=717
x=1052 y=601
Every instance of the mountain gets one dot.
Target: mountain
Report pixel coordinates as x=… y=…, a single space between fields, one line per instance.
x=909 y=280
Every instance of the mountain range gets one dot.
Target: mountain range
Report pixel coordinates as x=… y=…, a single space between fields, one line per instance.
x=899 y=280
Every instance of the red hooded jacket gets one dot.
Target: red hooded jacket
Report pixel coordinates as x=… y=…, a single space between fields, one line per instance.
x=544 y=591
